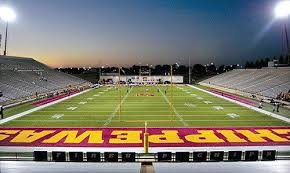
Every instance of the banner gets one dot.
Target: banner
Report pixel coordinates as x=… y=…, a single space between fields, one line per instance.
x=133 y=137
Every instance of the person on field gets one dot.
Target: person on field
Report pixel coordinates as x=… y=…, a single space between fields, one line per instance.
x=261 y=104
x=278 y=106
x=274 y=106
x=2 y=111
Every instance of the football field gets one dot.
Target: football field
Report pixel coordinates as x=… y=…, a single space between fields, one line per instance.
x=160 y=106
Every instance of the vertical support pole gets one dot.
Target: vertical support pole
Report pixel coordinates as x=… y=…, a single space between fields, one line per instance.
x=6 y=35
x=140 y=74
x=145 y=139
x=100 y=73
x=189 y=71
x=287 y=43
x=120 y=95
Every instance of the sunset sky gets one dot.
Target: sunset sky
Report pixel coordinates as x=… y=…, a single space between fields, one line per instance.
x=124 y=32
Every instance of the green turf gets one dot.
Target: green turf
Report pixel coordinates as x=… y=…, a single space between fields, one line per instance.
x=266 y=106
x=102 y=109
x=17 y=109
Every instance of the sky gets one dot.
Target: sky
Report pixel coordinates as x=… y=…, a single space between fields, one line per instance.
x=88 y=33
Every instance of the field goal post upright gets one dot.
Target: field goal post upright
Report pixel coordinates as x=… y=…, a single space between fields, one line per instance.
x=145 y=139
x=171 y=93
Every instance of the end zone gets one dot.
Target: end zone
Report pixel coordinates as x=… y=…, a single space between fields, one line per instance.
x=174 y=139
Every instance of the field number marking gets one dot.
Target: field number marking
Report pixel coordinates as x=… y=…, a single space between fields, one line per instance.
x=218 y=107
x=207 y=102
x=233 y=115
x=72 y=108
x=190 y=105
x=57 y=116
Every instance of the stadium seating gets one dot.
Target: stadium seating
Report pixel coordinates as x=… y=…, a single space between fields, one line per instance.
x=23 y=77
x=268 y=82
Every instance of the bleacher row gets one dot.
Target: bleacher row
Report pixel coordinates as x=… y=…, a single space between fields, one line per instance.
x=268 y=82
x=23 y=77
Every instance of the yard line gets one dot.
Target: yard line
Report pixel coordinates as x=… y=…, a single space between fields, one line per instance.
x=147 y=115
x=142 y=121
x=176 y=113
x=144 y=111
x=131 y=102
x=117 y=108
x=142 y=106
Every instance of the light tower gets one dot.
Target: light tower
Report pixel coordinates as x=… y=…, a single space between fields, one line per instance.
x=7 y=15
x=282 y=10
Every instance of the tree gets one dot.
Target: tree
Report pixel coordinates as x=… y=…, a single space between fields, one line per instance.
x=281 y=60
x=198 y=70
x=247 y=65
x=221 y=69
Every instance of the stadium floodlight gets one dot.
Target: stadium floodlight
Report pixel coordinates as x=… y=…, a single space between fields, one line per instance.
x=282 y=9
x=177 y=65
x=7 y=15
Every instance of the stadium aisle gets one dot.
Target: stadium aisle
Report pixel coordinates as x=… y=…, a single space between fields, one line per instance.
x=279 y=166
x=61 y=167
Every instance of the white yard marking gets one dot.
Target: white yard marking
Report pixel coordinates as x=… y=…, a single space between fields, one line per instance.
x=148 y=115
x=82 y=103
x=39 y=107
x=109 y=120
x=174 y=110
x=190 y=105
x=194 y=95
x=142 y=121
x=218 y=107
x=71 y=108
x=188 y=92
x=101 y=92
x=233 y=115
x=199 y=98
x=245 y=105
x=96 y=95
x=207 y=102
x=89 y=98
x=57 y=116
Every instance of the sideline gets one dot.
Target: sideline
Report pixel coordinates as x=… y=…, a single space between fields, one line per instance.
x=141 y=149
x=40 y=107
x=245 y=105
